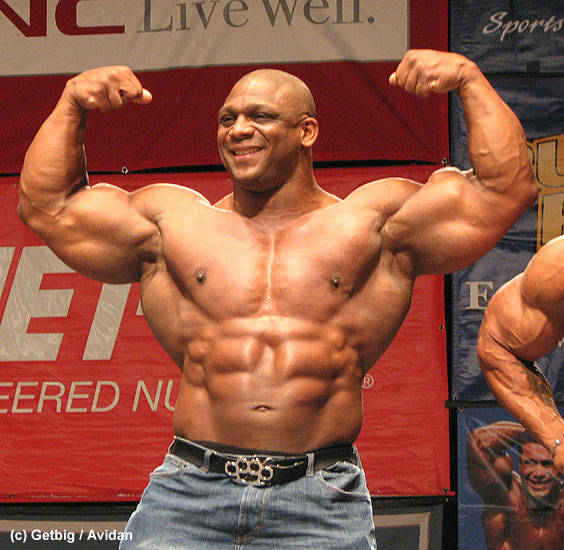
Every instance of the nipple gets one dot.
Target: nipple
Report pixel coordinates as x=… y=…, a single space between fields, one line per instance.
x=336 y=280
x=201 y=275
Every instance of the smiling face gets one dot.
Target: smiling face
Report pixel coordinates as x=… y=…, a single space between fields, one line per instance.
x=265 y=125
x=538 y=473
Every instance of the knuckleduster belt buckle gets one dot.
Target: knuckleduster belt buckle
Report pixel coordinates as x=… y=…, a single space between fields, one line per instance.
x=254 y=470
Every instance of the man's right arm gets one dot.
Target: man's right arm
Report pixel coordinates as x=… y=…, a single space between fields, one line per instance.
x=490 y=468
x=99 y=231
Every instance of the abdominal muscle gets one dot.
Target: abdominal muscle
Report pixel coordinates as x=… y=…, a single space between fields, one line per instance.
x=270 y=383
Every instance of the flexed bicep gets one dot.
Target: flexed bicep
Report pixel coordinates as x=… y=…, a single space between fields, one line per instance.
x=449 y=223
x=101 y=232
x=98 y=231
x=457 y=217
x=490 y=468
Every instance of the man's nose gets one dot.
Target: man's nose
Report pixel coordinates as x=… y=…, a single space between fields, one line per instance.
x=241 y=127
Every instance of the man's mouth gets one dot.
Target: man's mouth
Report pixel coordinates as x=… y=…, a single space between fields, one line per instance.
x=246 y=151
x=539 y=485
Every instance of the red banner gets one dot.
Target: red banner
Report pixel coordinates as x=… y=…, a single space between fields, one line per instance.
x=86 y=392
x=361 y=116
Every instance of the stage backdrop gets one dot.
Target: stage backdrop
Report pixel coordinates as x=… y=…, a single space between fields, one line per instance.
x=520 y=46
x=84 y=388
x=471 y=506
x=189 y=54
x=538 y=101
x=86 y=392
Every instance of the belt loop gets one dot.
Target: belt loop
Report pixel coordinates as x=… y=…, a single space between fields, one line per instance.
x=171 y=446
x=207 y=458
x=356 y=456
x=310 y=464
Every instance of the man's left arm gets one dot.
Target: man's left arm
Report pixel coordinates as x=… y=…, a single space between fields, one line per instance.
x=524 y=321
x=456 y=217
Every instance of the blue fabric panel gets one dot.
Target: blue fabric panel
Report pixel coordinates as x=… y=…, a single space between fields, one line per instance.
x=539 y=104
x=505 y=36
x=470 y=505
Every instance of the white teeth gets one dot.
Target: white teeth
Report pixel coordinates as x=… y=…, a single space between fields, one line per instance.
x=246 y=152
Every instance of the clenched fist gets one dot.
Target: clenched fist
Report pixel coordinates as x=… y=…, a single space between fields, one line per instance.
x=423 y=72
x=106 y=89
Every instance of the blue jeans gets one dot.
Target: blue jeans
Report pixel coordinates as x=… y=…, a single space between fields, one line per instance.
x=184 y=508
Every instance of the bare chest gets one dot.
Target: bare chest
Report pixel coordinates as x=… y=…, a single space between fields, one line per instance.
x=230 y=267
x=541 y=529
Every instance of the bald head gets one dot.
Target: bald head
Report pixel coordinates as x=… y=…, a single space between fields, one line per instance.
x=295 y=89
x=266 y=130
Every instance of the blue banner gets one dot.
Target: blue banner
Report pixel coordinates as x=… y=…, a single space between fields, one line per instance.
x=482 y=506
x=507 y=36
x=539 y=104
x=519 y=45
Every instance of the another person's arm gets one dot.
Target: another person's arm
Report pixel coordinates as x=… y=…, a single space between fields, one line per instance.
x=98 y=230
x=490 y=470
x=456 y=217
x=524 y=321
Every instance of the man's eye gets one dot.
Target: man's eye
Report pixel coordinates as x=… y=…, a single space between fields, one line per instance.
x=262 y=116
x=226 y=120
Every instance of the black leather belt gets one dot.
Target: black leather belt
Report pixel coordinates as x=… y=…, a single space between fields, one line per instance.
x=261 y=469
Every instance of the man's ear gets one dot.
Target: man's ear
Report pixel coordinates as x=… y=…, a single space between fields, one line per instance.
x=310 y=131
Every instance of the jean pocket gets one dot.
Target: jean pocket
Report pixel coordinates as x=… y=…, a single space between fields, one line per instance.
x=344 y=479
x=171 y=466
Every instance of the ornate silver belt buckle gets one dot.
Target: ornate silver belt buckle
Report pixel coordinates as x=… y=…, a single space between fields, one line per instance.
x=250 y=470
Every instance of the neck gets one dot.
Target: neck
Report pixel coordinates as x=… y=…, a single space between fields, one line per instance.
x=541 y=505
x=275 y=207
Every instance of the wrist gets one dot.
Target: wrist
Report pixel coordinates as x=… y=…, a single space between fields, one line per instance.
x=68 y=120
x=70 y=105
x=470 y=74
x=557 y=453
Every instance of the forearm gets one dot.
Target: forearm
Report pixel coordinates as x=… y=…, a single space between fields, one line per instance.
x=496 y=142
x=55 y=163
x=495 y=439
x=523 y=392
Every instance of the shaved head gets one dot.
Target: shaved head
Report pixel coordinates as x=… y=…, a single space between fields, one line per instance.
x=266 y=130
x=297 y=90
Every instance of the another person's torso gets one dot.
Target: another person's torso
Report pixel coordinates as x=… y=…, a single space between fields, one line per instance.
x=535 y=529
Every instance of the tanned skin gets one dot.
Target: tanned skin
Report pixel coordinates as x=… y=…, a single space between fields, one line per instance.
x=276 y=301
x=523 y=510
x=524 y=321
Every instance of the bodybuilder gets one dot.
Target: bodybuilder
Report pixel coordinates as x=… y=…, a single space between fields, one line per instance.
x=275 y=301
x=523 y=506
x=524 y=321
